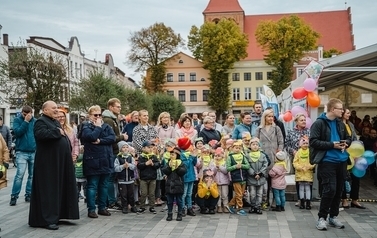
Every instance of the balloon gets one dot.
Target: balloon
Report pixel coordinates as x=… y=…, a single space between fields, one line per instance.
x=369 y=156
x=309 y=122
x=361 y=164
x=310 y=84
x=296 y=110
x=356 y=149
x=350 y=166
x=287 y=116
x=299 y=93
x=358 y=173
x=313 y=99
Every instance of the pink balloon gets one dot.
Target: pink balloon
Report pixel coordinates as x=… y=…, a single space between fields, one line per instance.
x=296 y=110
x=310 y=84
x=309 y=122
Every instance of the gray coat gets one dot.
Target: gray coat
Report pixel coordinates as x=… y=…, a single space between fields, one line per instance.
x=259 y=167
x=270 y=141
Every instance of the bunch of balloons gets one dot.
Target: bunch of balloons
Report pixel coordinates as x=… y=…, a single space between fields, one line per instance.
x=307 y=91
x=360 y=158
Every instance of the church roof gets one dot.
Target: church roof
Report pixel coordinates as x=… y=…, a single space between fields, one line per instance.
x=334 y=27
x=215 y=6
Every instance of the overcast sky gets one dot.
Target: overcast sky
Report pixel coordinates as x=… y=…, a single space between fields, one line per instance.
x=104 y=26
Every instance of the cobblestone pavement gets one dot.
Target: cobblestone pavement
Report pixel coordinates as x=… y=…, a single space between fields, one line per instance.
x=291 y=223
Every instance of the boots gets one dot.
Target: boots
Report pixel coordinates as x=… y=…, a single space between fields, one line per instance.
x=219 y=209
x=308 y=206
x=277 y=209
x=191 y=212
x=179 y=216
x=302 y=204
x=170 y=217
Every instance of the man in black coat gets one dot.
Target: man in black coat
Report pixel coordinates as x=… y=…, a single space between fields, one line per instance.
x=54 y=193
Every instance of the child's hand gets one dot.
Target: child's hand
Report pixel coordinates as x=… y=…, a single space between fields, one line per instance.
x=257 y=177
x=125 y=165
x=238 y=166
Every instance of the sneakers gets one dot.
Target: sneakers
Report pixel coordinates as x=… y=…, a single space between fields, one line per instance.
x=141 y=210
x=191 y=212
x=241 y=212
x=334 y=222
x=134 y=209
x=27 y=198
x=230 y=209
x=125 y=210
x=152 y=210
x=114 y=207
x=321 y=224
x=13 y=201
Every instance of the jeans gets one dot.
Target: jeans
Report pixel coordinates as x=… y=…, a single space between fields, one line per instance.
x=178 y=199
x=279 y=195
x=256 y=193
x=112 y=189
x=332 y=177
x=187 y=194
x=96 y=184
x=23 y=159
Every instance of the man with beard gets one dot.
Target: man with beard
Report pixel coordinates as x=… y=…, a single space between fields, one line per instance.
x=54 y=193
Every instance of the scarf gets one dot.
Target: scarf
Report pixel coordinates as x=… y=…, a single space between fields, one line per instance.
x=206 y=160
x=187 y=132
x=303 y=154
x=148 y=156
x=175 y=165
x=254 y=156
x=220 y=162
x=281 y=163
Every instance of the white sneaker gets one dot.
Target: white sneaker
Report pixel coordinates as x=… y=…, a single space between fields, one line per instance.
x=335 y=222
x=321 y=224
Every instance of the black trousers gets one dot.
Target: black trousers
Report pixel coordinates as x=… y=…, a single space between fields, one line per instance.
x=127 y=194
x=332 y=177
x=209 y=203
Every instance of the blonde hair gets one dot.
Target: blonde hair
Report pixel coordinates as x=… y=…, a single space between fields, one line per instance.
x=207 y=119
x=298 y=115
x=112 y=102
x=66 y=127
x=332 y=102
x=264 y=115
x=143 y=111
x=162 y=114
x=94 y=108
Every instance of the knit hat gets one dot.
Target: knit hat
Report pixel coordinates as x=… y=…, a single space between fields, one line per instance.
x=281 y=155
x=177 y=151
x=169 y=144
x=229 y=143
x=237 y=143
x=212 y=143
x=219 y=151
x=206 y=148
x=254 y=139
x=199 y=139
x=184 y=143
x=303 y=140
x=121 y=144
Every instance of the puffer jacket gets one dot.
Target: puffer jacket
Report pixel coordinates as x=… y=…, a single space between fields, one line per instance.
x=257 y=168
x=147 y=172
x=222 y=176
x=98 y=158
x=304 y=170
x=189 y=161
x=320 y=138
x=237 y=175
x=277 y=174
x=174 y=181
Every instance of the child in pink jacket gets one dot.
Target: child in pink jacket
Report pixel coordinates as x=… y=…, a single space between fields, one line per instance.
x=278 y=184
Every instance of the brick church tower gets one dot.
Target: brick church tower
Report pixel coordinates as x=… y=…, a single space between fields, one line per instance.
x=231 y=9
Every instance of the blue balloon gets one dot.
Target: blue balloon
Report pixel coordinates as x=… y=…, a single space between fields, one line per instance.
x=358 y=173
x=361 y=163
x=369 y=156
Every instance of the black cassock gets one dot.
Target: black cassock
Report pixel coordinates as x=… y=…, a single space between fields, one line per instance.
x=54 y=192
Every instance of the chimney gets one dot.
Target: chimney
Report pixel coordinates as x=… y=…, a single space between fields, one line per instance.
x=5 y=39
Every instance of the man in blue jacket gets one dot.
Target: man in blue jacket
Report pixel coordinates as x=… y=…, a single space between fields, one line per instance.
x=23 y=127
x=328 y=141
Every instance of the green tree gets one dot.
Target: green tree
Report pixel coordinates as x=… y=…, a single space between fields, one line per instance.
x=32 y=76
x=162 y=102
x=329 y=53
x=150 y=47
x=286 y=42
x=218 y=45
x=135 y=100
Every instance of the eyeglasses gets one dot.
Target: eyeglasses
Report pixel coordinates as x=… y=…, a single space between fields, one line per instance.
x=97 y=115
x=339 y=108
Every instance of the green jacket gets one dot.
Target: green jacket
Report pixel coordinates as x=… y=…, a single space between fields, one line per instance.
x=109 y=118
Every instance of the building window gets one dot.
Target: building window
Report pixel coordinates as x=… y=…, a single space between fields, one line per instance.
x=169 y=77
x=269 y=75
x=299 y=72
x=205 y=95
x=170 y=93
x=247 y=76
x=192 y=76
x=236 y=76
x=76 y=72
x=258 y=75
x=180 y=61
x=236 y=94
x=202 y=79
x=71 y=68
x=193 y=96
x=182 y=95
x=258 y=92
x=247 y=93
x=181 y=77
x=80 y=71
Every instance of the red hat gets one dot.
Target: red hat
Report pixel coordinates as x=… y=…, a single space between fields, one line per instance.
x=184 y=143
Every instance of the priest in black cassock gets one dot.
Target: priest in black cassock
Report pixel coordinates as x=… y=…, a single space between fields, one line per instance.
x=54 y=192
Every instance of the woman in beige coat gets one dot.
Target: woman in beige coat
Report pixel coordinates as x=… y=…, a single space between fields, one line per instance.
x=4 y=157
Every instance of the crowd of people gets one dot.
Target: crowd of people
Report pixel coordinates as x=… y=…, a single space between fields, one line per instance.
x=135 y=166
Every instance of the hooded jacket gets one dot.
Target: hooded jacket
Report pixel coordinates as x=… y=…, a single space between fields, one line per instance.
x=320 y=138
x=109 y=118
